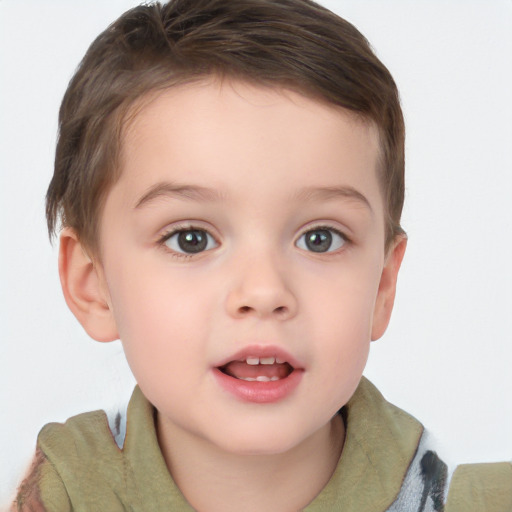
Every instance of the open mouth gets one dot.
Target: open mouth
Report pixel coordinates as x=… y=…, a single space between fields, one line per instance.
x=268 y=377
x=258 y=369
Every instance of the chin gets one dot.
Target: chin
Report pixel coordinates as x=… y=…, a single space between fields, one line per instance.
x=260 y=443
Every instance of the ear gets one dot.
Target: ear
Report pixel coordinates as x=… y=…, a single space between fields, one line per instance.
x=85 y=289
x=387 y=287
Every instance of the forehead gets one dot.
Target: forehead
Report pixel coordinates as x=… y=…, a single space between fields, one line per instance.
x=237 y=136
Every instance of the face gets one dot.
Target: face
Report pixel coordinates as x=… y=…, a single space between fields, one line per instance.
x=242 y=251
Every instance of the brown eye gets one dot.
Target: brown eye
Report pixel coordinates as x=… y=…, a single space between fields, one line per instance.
x=321 y=240
x=190 y=241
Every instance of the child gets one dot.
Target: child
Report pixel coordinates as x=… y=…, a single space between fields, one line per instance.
x=229 y=177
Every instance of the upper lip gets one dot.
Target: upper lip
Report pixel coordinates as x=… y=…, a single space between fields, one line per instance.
x=262 y=351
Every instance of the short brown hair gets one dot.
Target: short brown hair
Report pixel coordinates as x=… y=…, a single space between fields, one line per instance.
x=291 y=43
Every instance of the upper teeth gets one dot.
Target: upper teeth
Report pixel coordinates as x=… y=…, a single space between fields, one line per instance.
x=261 y=360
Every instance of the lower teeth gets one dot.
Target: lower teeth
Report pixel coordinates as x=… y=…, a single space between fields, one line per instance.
x=261 y=378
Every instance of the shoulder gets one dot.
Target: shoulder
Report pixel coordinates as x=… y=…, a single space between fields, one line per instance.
x=392 y=464
x=83 y=458
x=73 y=459
x=79 y=437
x=481 y=488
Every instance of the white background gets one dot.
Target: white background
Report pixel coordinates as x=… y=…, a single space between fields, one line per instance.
x=446 y=357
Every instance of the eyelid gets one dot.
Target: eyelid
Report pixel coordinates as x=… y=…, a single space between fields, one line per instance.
x=185 y=225
x=324 y=225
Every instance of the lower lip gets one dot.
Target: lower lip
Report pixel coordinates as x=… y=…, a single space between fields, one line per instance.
x=259 y=392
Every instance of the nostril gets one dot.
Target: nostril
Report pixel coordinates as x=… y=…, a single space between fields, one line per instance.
x=279 y=312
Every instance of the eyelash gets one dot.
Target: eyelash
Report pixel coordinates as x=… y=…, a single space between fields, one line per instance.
x=162 y=241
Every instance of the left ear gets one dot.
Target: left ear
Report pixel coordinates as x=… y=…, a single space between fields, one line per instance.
x=387 y=287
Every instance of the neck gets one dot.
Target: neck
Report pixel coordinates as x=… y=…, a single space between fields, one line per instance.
x=213 y=480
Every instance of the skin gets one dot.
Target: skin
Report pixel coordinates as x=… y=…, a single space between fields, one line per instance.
x=276 y=165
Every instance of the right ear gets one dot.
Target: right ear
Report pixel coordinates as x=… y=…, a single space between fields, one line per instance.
x=85 y=288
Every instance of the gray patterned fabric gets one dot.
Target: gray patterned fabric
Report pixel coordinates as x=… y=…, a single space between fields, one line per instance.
x=425 y=484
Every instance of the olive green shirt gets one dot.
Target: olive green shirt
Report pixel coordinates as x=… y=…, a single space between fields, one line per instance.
x=85 y=470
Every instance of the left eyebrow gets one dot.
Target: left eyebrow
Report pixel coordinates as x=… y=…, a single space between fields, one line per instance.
x=326 y=193
x=178 y=190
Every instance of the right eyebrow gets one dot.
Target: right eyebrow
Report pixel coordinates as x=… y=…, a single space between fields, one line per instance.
x=177 y=190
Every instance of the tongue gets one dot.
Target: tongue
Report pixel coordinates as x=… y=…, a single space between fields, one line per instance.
x=242 y=370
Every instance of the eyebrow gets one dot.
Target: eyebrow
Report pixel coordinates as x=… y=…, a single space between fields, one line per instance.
x=327 y=193
x=177 y=190
x=200 y=193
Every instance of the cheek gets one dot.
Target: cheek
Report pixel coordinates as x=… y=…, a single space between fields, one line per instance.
x=340 y=323
x=343 y=305
x=156 y=316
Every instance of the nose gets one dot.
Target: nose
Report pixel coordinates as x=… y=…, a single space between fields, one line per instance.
x=259 y=289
